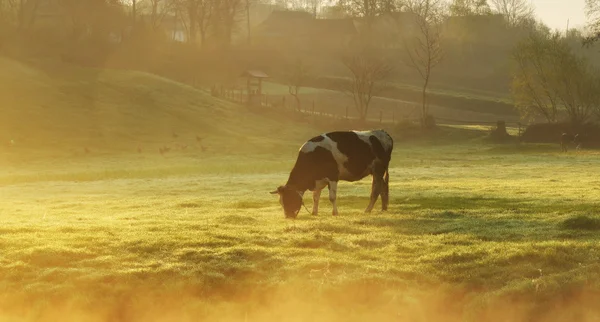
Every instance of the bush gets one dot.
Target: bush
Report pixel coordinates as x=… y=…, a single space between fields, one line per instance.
x=551 y=133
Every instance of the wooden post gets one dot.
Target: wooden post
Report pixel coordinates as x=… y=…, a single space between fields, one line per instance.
x=380 y=116
x=313 y=111
x=393 y=117
x=346 y=112
x=260 y=86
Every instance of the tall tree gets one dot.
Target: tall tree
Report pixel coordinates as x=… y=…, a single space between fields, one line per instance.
x=159 y=9
x=204 y=18
x=368 y=9
x=134 y=12
x=592 y=10
x=424 y=51
x=26 y=13
x=295 y=77
x=469 y=7
x=191 y=7
x=551 y=78
x=227 y=14
x=367 y=70
x=514 y=11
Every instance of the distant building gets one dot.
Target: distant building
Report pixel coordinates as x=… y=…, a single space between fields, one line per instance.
x=298 y=29
x=475 y=28
x=390 y=30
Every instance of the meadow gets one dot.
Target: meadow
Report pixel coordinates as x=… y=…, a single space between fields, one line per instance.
x=473 y=233
x=93 y=230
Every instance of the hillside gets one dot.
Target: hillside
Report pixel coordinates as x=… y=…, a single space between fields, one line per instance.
x=67 y=109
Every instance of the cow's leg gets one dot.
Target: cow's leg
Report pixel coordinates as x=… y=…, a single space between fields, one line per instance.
x=376 y=186
x=385 y=192
x=316 y=197
x=333 y=196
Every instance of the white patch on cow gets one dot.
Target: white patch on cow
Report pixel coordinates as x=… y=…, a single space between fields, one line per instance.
x=384 y=138
x=338 y=156
x=309 y=146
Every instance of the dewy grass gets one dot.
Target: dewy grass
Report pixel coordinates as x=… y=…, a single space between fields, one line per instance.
x=474 y=227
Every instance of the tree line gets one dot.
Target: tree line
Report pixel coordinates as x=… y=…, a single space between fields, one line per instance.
x=552 y=74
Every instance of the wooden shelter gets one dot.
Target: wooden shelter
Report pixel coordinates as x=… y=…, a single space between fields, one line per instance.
x=254 y=85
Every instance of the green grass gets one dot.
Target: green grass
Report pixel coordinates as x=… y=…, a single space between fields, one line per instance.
x=475 y=232
x=67 y=109
x=486 y=229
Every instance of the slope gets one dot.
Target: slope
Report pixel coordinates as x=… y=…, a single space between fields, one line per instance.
x=66 y=108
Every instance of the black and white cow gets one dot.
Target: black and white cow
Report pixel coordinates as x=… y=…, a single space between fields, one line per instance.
x=328 y=158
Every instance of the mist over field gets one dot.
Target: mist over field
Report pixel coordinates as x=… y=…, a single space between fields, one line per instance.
x=143 y=144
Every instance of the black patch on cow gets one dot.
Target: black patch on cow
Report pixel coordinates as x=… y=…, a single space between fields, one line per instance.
x=378 y=149
x=312 y=166
x=359 y=153
x=317 y=139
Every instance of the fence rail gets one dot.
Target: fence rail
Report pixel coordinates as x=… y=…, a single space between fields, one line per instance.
x=283 y=101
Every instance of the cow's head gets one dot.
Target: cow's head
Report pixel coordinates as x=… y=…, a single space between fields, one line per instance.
x=290 y=199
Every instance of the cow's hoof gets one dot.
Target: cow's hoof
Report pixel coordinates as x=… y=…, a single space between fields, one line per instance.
x=334 y=214
x=314 y=214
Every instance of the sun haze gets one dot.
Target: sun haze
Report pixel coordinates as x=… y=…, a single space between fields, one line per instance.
x=297 y=160
x=555 y=13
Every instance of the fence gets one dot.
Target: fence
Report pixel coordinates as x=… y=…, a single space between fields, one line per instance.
x=311 y=108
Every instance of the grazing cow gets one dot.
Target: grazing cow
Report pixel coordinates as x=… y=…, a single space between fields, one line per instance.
x=566 y=139
x=328 y=158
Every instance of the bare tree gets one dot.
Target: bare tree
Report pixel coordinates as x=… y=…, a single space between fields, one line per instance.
x=93 y=17
x=514 y=11
x=227 y=14
x=196 y=16
x=314 y=6
x=159 y=9
x=26 y=13
x=248 y=20
x=295 y=78
x=469 y=7
x=191 y=7
x=531 y=79
x=134 y=12
x=550 y=78
x=424 y=51
x=592 y=10
x=204 y=18
x=367 y=70
x=368 y=9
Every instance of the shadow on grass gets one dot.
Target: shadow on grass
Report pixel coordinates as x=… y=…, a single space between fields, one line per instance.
x=486 y=219
x=457 y=206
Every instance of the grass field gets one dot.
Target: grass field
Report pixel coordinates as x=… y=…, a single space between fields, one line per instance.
x=475 y=232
